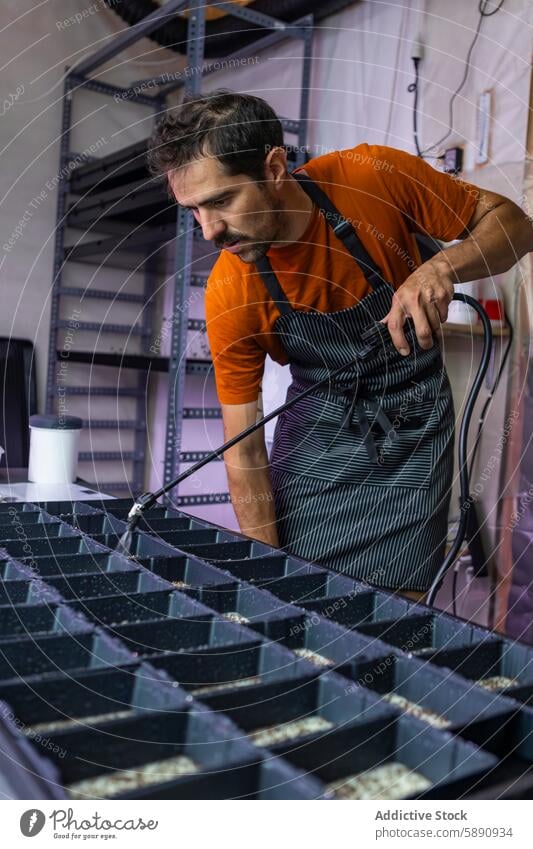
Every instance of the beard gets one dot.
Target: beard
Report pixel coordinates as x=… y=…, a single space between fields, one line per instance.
x=268 y=230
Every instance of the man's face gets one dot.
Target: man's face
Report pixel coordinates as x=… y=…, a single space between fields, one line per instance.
x=235 y=212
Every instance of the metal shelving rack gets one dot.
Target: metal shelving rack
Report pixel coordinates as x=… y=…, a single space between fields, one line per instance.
x=127 y=246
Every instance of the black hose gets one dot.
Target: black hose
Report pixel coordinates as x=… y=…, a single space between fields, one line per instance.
x=454 y=591
x=492 y=392
x=412 y=88
x=373 y=338
x=464 y=478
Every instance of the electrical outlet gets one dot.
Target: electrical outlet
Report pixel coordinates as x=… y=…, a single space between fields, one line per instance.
x=453 y=160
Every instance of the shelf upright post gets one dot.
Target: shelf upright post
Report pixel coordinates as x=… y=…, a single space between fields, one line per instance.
x=150 y=283
x=59 y=241
x=182 y=267
x=307 y=38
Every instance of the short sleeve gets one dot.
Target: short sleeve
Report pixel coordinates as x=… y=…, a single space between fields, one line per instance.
x=238 y=359
x=433 y=203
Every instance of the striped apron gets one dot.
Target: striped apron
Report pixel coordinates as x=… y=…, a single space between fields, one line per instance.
x=361 y=470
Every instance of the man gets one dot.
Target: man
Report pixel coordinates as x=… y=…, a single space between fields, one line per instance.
x=360 y=473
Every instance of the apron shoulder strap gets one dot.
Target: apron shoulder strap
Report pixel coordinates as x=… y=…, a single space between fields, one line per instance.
x=344 y=231
x=273 y=286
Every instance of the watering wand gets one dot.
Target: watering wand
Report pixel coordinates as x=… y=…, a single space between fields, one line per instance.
x=374 y=337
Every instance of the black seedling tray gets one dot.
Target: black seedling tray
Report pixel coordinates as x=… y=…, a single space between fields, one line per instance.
x=170 y=524
x=158 y=517
x=187 y=570
x=26 y=772
x=224 y=551
x=93 y=692
x=425 y=631
x=34 y=531
x=265 y=613
x=181 y=635
x=109 y=583
x=211 y=742
x=14 y=570
x=326 y=697
x=490 y=658
x=451 y=765
x=521 y=694
x=472 y=713
x=522 y=734
x=27 y=591
x=47 y=547
x=67 y=508
x=138 y=607
x=79 y=564
x=143 y=547
x=185 y=539
x=312 y=584
x=265 y=570
x=16 y=516
x=61 y=664
x=95 y=523
x=34 y=619
x=40 y=655
x=270 y=778
x=358 y=607
x=350 y=653
x=275 y=668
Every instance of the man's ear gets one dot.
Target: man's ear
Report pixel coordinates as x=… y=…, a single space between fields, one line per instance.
x=276 y=166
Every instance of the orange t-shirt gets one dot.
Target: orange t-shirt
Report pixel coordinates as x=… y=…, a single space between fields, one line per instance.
x=387 y=195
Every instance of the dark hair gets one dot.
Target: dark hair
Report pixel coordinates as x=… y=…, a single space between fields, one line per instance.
x=238 y=129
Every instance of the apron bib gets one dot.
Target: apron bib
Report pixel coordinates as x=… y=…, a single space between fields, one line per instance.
x=361 y=469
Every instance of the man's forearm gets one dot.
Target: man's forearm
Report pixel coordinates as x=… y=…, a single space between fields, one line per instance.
x=253 y=501
x=500 y=239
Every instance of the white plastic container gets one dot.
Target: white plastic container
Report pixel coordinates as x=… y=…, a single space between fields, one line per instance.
x=54 y=449
x=459 y=312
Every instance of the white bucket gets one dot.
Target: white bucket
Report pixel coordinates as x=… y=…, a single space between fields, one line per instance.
x=54 y=449
x=458 y=311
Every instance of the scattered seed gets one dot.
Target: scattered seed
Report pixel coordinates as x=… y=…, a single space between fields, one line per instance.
x=113 y=783
x=390 y=781
x=227 y=685
x=60 y=724
x=313 y=657
x=496 y=682
x=271 y=734
x=234 y=616
x=417 y=710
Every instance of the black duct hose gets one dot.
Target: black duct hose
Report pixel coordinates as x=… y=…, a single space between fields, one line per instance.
x=373 y=338
x=466 y=501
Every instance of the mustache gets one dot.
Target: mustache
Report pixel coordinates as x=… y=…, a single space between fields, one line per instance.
x=229 y=239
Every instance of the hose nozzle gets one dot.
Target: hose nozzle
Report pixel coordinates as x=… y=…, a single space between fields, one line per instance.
x=144 y=502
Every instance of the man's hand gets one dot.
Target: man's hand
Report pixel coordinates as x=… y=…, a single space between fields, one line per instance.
x=499 y=233
x=424 y=297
